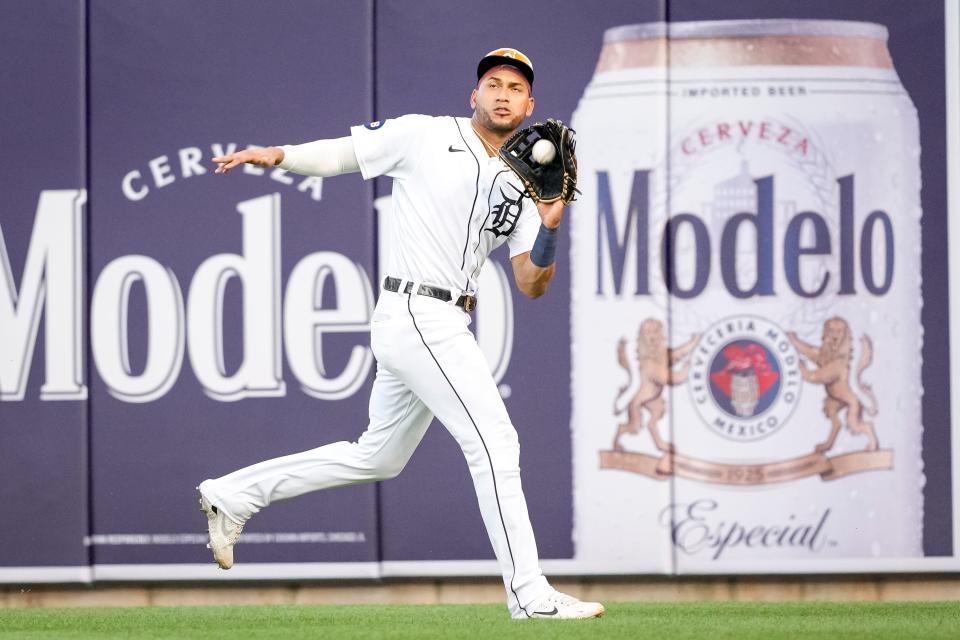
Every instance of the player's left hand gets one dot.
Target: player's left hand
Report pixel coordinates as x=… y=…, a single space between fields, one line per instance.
x=554 y=175
x=551 y=213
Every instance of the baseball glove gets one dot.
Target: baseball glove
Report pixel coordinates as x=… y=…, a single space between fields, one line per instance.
x=553 y=180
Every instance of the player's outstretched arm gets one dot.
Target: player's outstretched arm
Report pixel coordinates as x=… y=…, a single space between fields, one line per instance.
x=323 y=158
x=534 y=270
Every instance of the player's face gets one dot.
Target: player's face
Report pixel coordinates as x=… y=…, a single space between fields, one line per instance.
x=502 y=100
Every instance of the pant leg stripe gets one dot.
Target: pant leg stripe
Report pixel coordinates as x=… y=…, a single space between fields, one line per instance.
x=493 y=475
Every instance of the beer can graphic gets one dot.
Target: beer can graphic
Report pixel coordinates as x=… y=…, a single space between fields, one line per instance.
x=746 y=293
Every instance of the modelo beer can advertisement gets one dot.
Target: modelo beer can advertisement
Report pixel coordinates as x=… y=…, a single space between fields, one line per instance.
x=745 y=281
x=742 y=365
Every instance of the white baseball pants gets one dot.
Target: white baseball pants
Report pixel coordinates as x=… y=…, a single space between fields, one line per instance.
x=428 y=364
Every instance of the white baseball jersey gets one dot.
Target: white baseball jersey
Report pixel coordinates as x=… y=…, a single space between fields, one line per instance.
x=453 y=204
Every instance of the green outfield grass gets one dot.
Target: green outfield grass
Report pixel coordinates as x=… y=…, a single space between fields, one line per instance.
x=766 y=621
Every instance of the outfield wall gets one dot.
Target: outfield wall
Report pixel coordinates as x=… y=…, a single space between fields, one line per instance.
x=160 y=325
x=834 y=588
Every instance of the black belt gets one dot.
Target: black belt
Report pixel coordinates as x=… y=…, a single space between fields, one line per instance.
x=467 y=303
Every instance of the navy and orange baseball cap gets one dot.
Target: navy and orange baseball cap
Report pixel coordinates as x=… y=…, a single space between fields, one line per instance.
x=511 y=57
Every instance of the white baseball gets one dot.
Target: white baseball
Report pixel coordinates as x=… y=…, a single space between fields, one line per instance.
x=543 y=151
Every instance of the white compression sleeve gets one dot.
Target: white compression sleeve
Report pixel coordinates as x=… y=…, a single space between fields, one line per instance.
x=323 y=158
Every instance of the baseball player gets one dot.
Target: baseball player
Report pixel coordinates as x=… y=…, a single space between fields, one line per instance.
x=454 y=202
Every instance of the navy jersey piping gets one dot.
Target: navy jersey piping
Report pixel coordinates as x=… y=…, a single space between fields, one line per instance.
x=476 y=194
x=480 y=231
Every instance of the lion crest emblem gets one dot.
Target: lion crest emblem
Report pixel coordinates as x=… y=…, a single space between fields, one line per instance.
x=656 y=366
x=833 y=359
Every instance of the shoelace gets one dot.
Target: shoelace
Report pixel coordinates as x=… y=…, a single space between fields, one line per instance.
x=229 y=529
x=232 y=530
x=235 y=534
x=562 y=598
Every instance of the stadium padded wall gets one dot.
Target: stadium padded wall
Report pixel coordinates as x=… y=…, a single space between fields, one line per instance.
x=160 y=325
x=44 y=429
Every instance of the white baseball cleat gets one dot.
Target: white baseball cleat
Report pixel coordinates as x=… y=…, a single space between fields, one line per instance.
x=224 y=533
x=560 y=606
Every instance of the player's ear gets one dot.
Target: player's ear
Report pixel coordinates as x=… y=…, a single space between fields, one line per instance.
x=473 y=99
x=530 y=106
